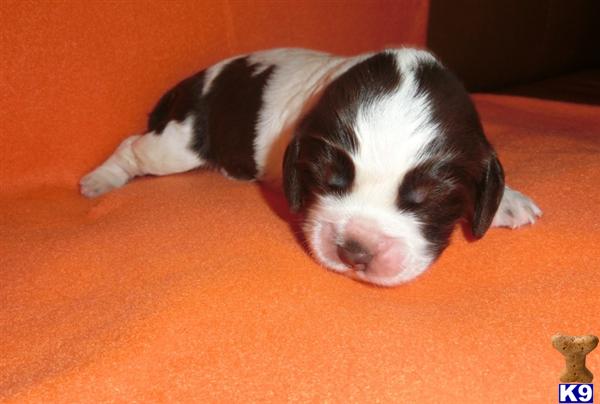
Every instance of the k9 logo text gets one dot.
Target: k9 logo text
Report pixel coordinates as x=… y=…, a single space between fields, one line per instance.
x=575 y=393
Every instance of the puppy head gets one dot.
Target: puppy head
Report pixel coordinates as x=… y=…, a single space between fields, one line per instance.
x=386 y=163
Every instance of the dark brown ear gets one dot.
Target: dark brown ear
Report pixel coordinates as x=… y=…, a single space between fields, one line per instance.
x=292 y=185
x=488 y=193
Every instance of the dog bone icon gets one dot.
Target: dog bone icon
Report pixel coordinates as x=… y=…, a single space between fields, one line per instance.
x=574 y=350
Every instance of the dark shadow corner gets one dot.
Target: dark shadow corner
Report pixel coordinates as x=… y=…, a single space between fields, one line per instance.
x=536 y=48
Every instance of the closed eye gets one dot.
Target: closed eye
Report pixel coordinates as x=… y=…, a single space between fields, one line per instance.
x=414 y=196
x=417 y=191
x=336 y=181
x=329 y=169
x=417 y=195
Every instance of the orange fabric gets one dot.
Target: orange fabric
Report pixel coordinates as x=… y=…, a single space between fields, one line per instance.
x=191 y=287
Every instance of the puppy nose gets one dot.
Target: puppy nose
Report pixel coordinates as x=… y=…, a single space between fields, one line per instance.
x=354 y=254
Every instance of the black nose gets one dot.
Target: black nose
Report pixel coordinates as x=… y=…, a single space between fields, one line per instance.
x=354 y=254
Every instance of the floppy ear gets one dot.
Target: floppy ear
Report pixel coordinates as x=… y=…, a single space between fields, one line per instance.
x=292 y=185
x=488 y=194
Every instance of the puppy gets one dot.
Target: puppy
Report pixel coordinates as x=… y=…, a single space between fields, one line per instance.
x=383 y=153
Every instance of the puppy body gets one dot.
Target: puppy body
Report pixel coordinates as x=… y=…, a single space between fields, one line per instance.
x=383 y=152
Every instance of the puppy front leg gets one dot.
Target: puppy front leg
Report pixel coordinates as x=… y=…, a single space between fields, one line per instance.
x=515 y=210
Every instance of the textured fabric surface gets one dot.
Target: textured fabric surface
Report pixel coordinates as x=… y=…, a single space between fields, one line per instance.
x=193 y=287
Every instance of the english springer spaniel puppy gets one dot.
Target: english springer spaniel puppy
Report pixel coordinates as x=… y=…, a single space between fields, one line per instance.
x=383 y=153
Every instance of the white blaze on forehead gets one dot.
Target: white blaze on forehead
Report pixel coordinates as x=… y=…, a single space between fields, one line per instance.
x=410 y=58
x=392 y=133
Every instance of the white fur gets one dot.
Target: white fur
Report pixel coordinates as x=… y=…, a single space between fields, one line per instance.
x=408 y=59
x=113 y=173
x=299 y=77
x=164 y=154
x=515 y=210
x=337 y=212
x=299 y=74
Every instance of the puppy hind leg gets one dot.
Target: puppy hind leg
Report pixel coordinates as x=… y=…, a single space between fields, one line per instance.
x=119 y=168
x=156 y=154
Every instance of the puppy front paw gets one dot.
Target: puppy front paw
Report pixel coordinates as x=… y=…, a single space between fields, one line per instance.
x=516 y=210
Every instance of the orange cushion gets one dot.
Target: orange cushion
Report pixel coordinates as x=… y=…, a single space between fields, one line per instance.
x=190 y=287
